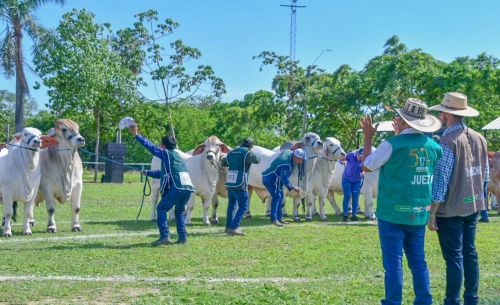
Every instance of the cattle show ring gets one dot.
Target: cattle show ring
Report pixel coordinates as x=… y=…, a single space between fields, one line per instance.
x=100 y=249
x=256 y=152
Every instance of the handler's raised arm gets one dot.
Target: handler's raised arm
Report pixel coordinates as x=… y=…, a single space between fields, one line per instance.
x=369 y=130
x=133 y=129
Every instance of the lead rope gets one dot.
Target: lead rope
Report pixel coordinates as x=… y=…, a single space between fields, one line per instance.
x=146 y=182
x=144 y=195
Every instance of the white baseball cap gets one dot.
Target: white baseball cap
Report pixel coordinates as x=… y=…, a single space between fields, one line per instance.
x=300 y=153
x=126 y=123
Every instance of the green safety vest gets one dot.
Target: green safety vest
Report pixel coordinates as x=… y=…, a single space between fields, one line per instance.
x=405 y=182
x=236 y=175
x=178 y=171
x=282 y=159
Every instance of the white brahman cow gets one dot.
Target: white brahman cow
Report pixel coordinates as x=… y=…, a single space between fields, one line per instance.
x=20 y=174
x=494 y=184
x=62 y=172
x=204 y=170
x=321 y=178
x=301 y=177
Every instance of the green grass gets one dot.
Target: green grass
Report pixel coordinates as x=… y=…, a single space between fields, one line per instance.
x=319 y=263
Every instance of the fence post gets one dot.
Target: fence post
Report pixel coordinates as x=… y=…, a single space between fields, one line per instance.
x=142 y=169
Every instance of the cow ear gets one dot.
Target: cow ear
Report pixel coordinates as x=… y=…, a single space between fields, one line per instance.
x=297 y=145
x=48 y=141
x=225 y=149
x=51 y=132
x=18 y=136
x=199 y=149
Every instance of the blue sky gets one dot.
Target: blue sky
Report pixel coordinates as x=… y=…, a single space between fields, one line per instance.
x=230 y=32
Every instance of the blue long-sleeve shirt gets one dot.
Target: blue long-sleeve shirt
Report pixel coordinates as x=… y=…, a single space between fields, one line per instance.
x=282 y=174
x=156 y=151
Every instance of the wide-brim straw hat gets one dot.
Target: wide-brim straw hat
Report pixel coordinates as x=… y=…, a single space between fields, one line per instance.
x=455 y=103
x=415 y=114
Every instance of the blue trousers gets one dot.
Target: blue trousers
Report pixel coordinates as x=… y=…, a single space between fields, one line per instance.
x=179 y=199
x=457 y=237
x=277 y=200
x=240 y=198
x=484 y=213
x=394 y=238
x=351 y=189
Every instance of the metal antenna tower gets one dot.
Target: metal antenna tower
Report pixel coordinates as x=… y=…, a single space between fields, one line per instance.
x=293 y=27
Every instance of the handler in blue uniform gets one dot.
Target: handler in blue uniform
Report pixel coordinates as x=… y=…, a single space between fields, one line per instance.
x=276 y=175
x=239 y=161
x=175 y=186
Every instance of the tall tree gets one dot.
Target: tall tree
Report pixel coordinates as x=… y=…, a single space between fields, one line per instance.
x=86 y=79
x=20 y=19
x=166 y=67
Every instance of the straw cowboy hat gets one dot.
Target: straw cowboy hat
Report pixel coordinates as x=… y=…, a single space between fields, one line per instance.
x=415 y=114
x=455 y=103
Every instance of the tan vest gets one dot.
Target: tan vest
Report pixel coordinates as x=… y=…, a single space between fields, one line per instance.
x=465 y=194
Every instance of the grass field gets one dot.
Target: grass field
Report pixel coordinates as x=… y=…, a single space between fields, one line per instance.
x=112 y=262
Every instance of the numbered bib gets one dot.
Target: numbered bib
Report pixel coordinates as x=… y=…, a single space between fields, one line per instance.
x=231 y=177
x=185 y=179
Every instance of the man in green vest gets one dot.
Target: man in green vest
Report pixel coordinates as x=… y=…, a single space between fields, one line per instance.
x=175 y=186
x=406 y=163
x=239 y=161
x=276 y=176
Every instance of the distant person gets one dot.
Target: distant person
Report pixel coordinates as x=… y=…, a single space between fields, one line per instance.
x=351 y=182
x=175 y=186
x=406 y=162
x=276 y=176
x=458 y=196
x=239 y=161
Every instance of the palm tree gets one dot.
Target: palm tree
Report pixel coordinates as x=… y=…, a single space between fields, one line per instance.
x=20 y=18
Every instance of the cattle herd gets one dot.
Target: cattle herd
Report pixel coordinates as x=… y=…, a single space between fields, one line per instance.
x=48 y=168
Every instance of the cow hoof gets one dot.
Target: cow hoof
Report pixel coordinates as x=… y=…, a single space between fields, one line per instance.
x=7 y=234
x=28 y=233
x=153 y=220
x=76 y=229
x=372 y=218
x=268 y=214
x=215 y=221
x=324 y=219
x=32 y=223
x=296 y=219
x=315 y=213
x=309 y=219
x=189 y=224
x=207 y=224
x=359 y=212
x=248 y=216
x=51 y=230
x=285 y=214
x=339 y=213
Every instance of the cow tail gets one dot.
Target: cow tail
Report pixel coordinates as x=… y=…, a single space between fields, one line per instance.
x=14 y=214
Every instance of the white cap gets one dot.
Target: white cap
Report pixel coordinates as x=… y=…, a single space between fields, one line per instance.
x=300 y=153
x=126 y=123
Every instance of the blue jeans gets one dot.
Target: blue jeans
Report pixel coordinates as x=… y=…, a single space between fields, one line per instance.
x=240 y=198
x=277 y=200
x=179 y=199
x=351 y=189
x=457 y=237
x=394 y=238
x=484 y=214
